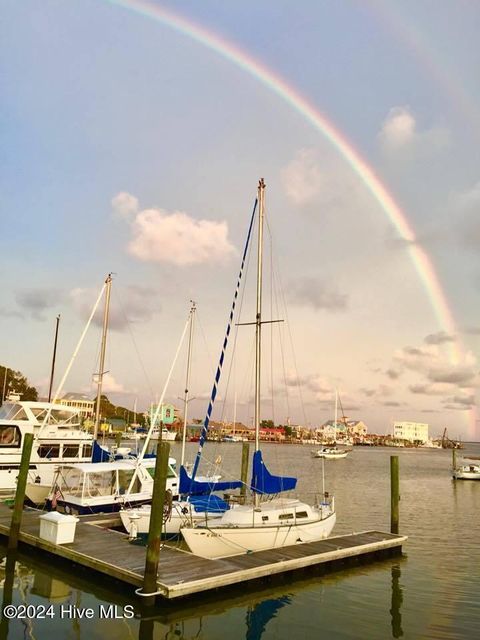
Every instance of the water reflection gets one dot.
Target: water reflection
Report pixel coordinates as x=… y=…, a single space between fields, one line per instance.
x=397 y=600
x=260 y=614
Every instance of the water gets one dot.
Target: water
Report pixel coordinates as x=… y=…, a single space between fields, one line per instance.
x=432 y=592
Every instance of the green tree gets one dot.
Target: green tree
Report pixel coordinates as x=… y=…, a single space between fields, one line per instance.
x=267 y=424
x=15 y=382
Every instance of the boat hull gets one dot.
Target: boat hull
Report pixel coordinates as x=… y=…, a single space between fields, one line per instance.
x=218 y=542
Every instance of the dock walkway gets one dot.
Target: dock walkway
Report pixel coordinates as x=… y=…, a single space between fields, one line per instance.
x=180 y=572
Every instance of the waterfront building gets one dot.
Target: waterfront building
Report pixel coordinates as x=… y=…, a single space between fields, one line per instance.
x=79 y=401
x=412 y=431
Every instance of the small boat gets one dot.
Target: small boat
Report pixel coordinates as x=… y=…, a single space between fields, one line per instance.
x=467 y=472
x=104 y=487
x=330 y=453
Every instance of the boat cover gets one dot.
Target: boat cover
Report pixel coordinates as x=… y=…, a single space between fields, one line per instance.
x=100 y=454
x=210 y=503
x=264 y=482
x=193 y=487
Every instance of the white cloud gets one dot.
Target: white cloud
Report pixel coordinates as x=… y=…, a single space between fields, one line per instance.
x=302 y=178
x=399 y=132
x=110 y=385
x=124 y=204
x=398 y=128
x=175 y=238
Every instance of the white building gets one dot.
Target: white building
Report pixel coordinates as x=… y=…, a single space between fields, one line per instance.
x=413 y=431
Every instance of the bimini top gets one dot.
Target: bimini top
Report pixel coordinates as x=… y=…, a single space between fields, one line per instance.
x=117 y=465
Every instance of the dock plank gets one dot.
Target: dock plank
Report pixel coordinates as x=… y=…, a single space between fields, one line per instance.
x=180 y=572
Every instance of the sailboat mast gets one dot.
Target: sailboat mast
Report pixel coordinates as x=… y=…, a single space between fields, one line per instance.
x=108 y=284
x=187 y=379
x=53 y=359
x=258 y=322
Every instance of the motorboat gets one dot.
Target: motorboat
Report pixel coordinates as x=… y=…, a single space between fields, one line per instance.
x=58 y=437
x=106 y=487
x=330 y=453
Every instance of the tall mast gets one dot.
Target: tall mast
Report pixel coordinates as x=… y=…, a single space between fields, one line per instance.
x=108 y=284
x=258 y=320
x=53 y=359
x=187 y=379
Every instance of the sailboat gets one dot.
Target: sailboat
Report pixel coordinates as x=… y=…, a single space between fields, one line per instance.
x=275 y=521
x=332 y=453
x=191 y=506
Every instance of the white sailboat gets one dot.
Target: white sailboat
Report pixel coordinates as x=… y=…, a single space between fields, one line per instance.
x=470 y=471
x=331 y=453
x=187 y=509
x=271 y=523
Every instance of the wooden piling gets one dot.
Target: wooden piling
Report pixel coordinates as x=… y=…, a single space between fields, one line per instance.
x=118 y=438
x=394 y=494
x=156 y=522
x=20 y=492
x=244 y=469
x=454 y=459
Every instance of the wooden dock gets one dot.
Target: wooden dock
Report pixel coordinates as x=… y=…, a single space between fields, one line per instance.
x=181 y=573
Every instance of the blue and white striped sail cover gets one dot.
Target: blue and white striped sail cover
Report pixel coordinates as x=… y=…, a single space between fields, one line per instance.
x=264 y=482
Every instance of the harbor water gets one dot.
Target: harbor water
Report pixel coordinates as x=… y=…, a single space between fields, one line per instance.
x=431 y=592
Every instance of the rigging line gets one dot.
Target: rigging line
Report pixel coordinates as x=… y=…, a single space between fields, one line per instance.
x=129 y=325
x=282 y=351
x=282 y=293
x=235 y=333
x=209 y=353
x=271 y=317
x=203 y=435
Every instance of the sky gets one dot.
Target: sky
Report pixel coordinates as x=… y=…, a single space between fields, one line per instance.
x=133 y=136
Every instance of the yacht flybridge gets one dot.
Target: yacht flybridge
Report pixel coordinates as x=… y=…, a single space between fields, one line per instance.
x=58 y=438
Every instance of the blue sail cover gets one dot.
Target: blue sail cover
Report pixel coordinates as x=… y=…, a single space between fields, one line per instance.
x=100 y=454
x=264 y=482
x=193 y=487
x=210 y=503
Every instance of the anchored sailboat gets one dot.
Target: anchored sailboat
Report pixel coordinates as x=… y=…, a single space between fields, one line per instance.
x=266 y=524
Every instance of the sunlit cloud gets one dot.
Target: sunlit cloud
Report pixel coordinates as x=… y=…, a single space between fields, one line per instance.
x=173 y=237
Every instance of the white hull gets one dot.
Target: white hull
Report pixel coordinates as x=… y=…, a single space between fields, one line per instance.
x=167 y=436
x=228 y=540
x=330 y=455
x=466 y=475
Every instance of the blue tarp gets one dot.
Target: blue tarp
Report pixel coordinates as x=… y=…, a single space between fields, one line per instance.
x=211 y=503
x=264 y=482
x=193 y=487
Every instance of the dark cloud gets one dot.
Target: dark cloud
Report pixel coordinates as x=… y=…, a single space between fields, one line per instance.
x=439 y=338
x=393 y=374
x=368 y=392
x=465 y=401
x=35 y=302
x=7 y=313
x=460 y=376
x=316 y=294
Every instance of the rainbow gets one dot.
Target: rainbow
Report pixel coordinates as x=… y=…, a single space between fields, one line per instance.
x=309 y=112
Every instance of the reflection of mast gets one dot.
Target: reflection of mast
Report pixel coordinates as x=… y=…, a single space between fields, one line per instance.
x=397 y=600
x=187 y=379
x=108 y=283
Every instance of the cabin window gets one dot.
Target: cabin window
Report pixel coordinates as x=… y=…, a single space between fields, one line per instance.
x=264 y=518
x=70 y=451
x=9 y=436
x=301 y=514
x=285 y=516
x=49 y=451
x=87 y=451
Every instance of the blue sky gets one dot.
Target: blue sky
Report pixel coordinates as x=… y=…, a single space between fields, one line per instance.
x=98 y=101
